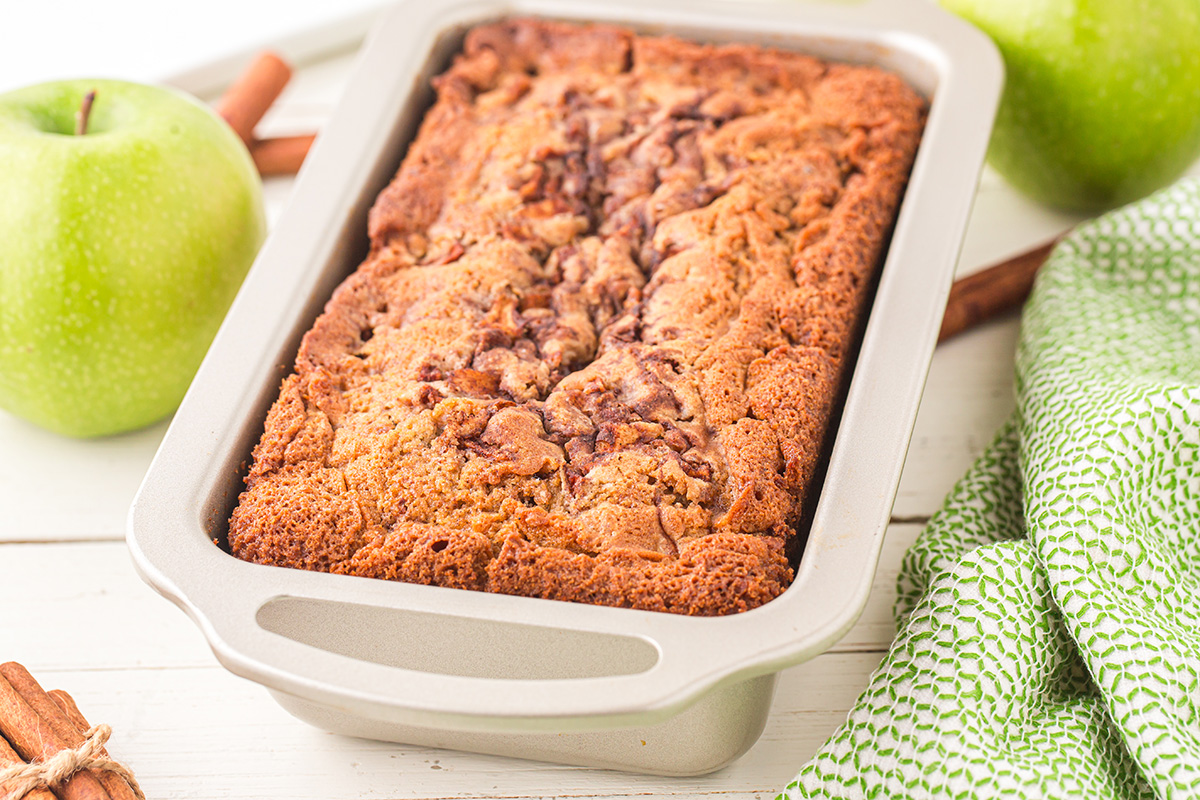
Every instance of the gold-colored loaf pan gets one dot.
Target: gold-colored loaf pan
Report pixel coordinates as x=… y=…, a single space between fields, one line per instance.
x=524 y=676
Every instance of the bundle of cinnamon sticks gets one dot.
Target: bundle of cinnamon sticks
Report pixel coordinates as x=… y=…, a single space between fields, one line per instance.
x=246 y=102
x=48 y=750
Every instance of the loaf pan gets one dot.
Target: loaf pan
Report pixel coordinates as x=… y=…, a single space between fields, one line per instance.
x=534 y=678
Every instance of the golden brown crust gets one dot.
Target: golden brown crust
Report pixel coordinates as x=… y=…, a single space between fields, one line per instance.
x=593 y=351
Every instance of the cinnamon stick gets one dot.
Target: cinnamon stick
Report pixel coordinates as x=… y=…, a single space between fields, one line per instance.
x=71 y=710
x=9 y=758
x=982 y=295
x=114 y=783
x=33 y=738
x=282 y=155
x=62 y=722
x=247 y=100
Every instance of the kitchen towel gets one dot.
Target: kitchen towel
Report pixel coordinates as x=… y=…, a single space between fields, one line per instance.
x=1049 y=615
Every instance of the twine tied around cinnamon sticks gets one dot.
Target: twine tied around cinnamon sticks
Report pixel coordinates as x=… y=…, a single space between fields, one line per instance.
x=49 y=751
x=22 y=780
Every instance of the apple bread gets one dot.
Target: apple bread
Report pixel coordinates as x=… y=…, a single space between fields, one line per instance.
x=595 y=347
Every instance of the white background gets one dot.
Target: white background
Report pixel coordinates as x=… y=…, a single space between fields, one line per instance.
x=145 y=40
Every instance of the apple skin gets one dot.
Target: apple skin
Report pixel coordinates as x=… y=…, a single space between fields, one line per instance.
x=1101 y=99
x=123 y=249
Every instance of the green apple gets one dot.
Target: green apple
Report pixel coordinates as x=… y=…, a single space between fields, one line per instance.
x=1102 y=97
x=124 y=245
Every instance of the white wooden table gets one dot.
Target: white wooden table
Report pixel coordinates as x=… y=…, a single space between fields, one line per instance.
x=75 y=613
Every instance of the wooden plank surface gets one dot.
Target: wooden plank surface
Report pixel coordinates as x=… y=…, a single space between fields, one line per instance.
x=199 y=732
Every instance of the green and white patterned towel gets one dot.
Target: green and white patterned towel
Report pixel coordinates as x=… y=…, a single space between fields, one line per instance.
x=1049 y=641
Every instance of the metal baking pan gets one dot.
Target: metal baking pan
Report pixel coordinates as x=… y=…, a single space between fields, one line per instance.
x=519 y=676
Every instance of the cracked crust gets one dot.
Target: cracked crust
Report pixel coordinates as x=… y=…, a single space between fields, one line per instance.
x=592 y=353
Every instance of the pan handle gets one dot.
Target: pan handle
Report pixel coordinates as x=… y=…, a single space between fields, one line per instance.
x=395 y=657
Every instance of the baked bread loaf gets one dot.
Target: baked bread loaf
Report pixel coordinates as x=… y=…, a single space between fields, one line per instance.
x=593 y=351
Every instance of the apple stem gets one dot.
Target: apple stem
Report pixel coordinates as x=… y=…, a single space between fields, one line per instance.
x=85 y=111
